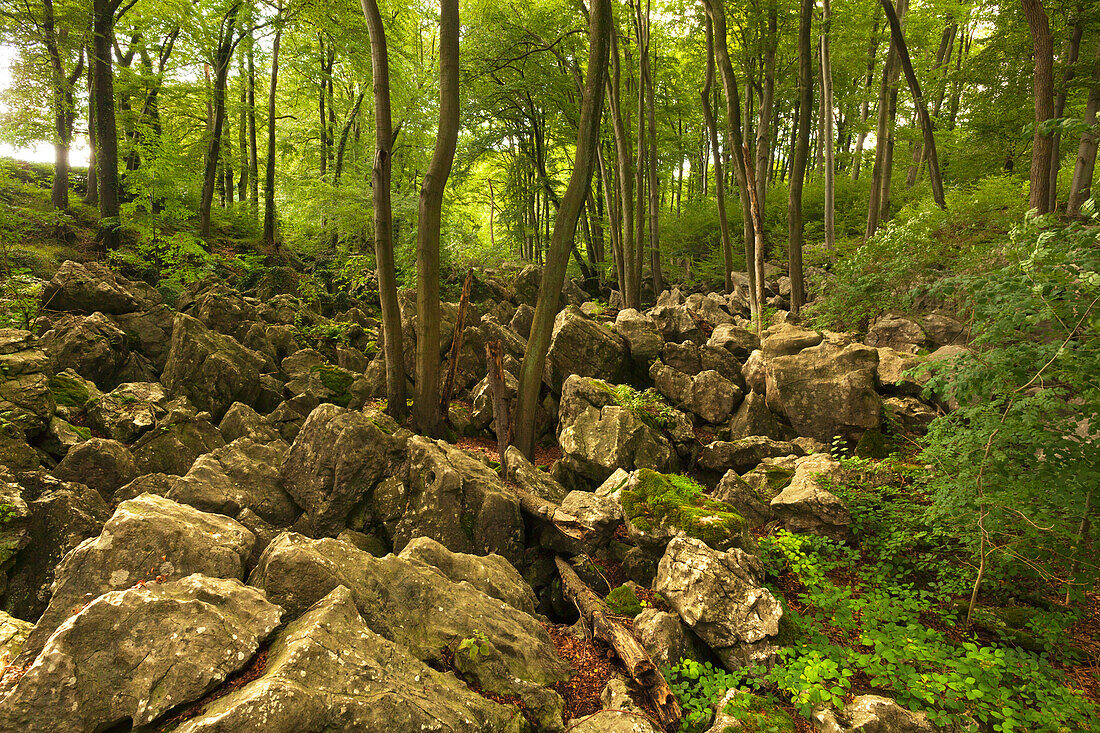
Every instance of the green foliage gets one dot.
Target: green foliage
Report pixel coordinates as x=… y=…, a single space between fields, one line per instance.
x=648 y=406
x=658 y=499
x=624 y=601
x=474 y=644
x=698 y=686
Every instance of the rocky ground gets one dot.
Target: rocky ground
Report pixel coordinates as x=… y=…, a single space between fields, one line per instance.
x=208 y=524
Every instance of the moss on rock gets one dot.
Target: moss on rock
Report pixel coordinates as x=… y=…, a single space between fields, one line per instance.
x=624 y=601
x=336 y=380
x=657 y=500
x=68 y=392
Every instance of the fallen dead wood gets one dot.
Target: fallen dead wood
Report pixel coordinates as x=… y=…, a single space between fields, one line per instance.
x=633 y=655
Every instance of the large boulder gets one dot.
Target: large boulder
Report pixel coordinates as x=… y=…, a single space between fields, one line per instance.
x=95 y=348
x=222 y=309
x=892 y=368
x=643 y=339
x=943 y=330
x=754 y=418
x=128 y=411
x=14 y=521
x=658 y=507
x=12 y=633
x=826 y=390
x=675 y=323
x=89 y=287
x=713 y=397
x=175 y=444
x=241 y=421
x=328 y=671
x=895 y=331
x=530 y=478
x=134 y=654
x=458 y=501
x=737 y=340
x=743 y=454
x=602 y=439
x=102 y=464
x=787 y=339
x=721 y=596
x=806 y=506
x=149 y=332
x=209 y=368
x=583 y=347
x=407 y=602
x=491 y=574
x=335 y=461
x=663 y=635
x=872 y=714
x=25 y=398
x=147 y=538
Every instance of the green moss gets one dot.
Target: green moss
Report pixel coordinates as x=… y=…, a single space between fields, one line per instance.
x=337 y=381
x=667 y=500
x=872 y=444
x=466 y=521
x=778 y=477
x=624 y=601
x=68 y=392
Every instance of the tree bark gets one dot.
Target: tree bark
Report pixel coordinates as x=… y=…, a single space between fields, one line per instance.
x=253 y=150
x=1072 y=51
x=827 y=115
x=91 y=195
x=654 y=183
x=719 y=179
x=221 y=72
x=426 y=405
x=882 y=133
x=1043 y=91
x=1084 y=168
x=800 y=154
x=565 y=225
x=764 y=129
x=381 y=185
x=103 y=20
x=628 y=285
x=269 y=171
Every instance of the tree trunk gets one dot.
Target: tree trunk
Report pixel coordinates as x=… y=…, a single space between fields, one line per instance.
x=628 y=285
x=800 y=153
x=213 y=150
x=1084 y=168
x=1072 y=51
x=719 y=179
x=1043 y=89
x=565 y=225
x=253 y=150
x=91 y=194
x=882 y=134
x=242 y=132
x=918 y=102
x=654 y=183
x=381 y=184
x=827 y=114
x=103 y=19
x=426 y=405
x=269 y=171
x=767 y=104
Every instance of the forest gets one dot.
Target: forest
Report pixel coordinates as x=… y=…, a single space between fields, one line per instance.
x=574 y=365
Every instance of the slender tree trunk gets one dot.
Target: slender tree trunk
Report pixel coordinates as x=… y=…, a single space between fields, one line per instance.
x=91 y=195
x=426 y=405
x=1072 y=51
x=103 y=19
x=1084 y=168
x=242 y=132
x=269 y=171
x=565 y=225
x=654 y=183
x=628 y=284
x=800 y=154
x=764 y=128
x=253 y=150
x=1043 y=88
x=719 y=179
x=827 y=114
x=943 y=55
x=213 y=150
x=882 y=133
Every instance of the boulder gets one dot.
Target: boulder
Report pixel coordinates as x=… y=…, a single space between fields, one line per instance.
x=89 y=287
x=335 y=461
x=897 y=332
x=14 y=521
x=754 y=418
x=530 y=478
x=788 y=339
x=458 y=501
x=490 y=574
x=407 y=602
x=149 y=332
x=128 y=411
x=72 y=394
x=826 y=390
x=642 y=337
x=601 y=440
x=25 y=398
x=664 y=637
x=61 y=515
x=522 y=319
x=805 y=506
x=738 y=710
x=737 y=340
x=60 y=438
x=673 y=384
x=12 y=633
x=209 y=368
x=944 y=330
x=94 y=347
x=222 y=309
x=175 y=444
x=328 y=671
x=720 y=596
x=580 y=346
x=872 y=714
x=675 y=323
x=892 y=366
x=713 y=397
x=525 y=286
x=146 y=538
x=658 y=507
x=907 y=415
x=710 y=308
x=101 y=464
x=132 y=655
x=754 y=374
x=744 y=454
x=600 y=515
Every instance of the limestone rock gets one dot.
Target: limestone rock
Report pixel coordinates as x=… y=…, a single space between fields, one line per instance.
x=737 y=340
x=754 y=418
x=102 y=464
x=88 y=287
x=659 y=507
x=175 y=443
x=744 y=454
x=713 y=397
x=25 y=397
x=128 y=411
x=663 y=636
x=491 y=574
x=897 y=332
x=643 y=339
x=580 y=346
x=806 y=506
x=872 y=714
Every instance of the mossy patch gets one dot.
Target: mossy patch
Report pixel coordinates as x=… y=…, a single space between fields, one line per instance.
x=624 y=601
x=667 y=500
x=759 y=715
x=336 y=380
x=872 y=444
x=68 y=392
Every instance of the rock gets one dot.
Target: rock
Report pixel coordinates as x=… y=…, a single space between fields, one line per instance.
x=788 y=339
x=209 y=368
x=580 y=346
x=522 y=319
x=658 y=507
x=740 y=710
x=61 y=437
x=612 y=721
x=720 y=596
x=490 y=574
x=675 y=323
x=88 y=287
x=826 y=390
x=754 y=418
x=136 y=654
x=407 y=602
x=601 y=440
x=335 y=461
x=872 y=714
x=14 y=521
x=525 y=287
x=72 y=394
x=92 y=346
x=907 y=414
x=744 y=454
x=241 y=475
x=327 y=671
x=676 y=386
x=944 y=330
x=529 y=478
x=149 y=332
x=25 y=398
x=481 y=416
x=128 y=411
x=601 y=515
x=737 y=340
x=175 y=444
x=102 y=464
x=805 y=506
x=459 y=502
x=710 y=308
x=663 y=636
x=718 y=359
x=685 y=357
x=12 y=633
x=891 y=369
x=754 y=372
x=61 y=516
x=642 y=337
x=15 y=452
x=897 y=332
x=147 y=537
x=713 y=397
x=222 y=309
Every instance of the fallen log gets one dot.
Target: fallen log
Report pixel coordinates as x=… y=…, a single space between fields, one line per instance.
x=633 y=655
